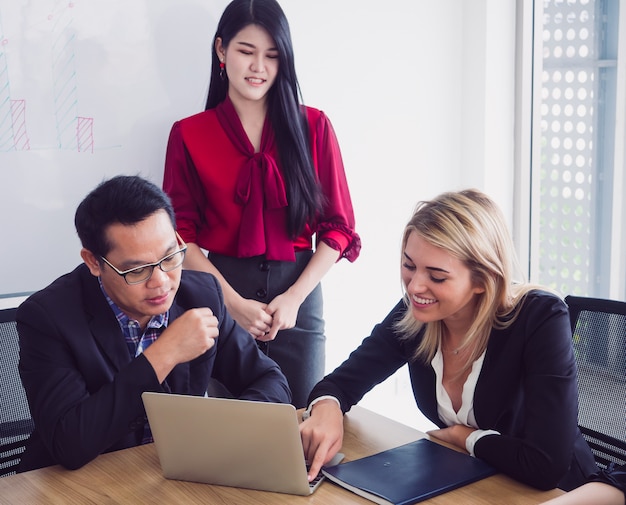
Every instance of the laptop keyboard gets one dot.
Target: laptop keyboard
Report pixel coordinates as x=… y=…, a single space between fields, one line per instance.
x=337 y=458
x=317 y=478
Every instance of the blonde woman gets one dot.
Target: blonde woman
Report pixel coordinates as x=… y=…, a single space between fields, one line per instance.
x=490 y=360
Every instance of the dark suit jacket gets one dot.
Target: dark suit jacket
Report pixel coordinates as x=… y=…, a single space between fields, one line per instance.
x=84 y=389
x=526 y=391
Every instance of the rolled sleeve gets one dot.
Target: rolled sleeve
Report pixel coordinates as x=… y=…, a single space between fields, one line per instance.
x=336 y=226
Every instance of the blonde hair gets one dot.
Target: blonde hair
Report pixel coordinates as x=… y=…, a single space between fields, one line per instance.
x=471 y=227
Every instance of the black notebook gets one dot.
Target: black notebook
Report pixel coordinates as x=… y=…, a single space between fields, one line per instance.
x=409 y=474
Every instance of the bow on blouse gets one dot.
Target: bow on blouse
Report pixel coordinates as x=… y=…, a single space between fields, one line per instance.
x=260 y=190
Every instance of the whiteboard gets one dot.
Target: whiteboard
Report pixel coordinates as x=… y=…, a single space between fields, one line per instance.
x=88 y=89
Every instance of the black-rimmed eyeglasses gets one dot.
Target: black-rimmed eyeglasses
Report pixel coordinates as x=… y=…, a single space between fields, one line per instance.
x=142 y=273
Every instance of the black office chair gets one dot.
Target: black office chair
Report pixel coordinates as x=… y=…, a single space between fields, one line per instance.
x=599 y=337
x=16 y=424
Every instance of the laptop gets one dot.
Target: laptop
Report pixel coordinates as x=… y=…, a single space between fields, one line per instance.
x=239 y=443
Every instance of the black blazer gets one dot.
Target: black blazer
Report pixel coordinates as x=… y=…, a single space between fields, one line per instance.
x=526 y=391
x=84 y=389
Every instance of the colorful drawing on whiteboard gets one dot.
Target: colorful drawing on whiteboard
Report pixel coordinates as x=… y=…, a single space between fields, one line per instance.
x=72 y=131
x=7 y=138
x=18 y=122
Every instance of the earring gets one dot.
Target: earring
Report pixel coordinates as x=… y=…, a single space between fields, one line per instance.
x=222 y=70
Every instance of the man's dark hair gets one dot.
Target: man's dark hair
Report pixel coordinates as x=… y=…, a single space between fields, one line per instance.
x=124 y=199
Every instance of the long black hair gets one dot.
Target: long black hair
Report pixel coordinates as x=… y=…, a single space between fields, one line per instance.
x=286 y=115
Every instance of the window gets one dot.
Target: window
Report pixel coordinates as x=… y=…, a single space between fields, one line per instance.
x=577 y=184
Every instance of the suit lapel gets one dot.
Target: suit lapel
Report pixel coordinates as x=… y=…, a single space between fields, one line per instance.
x=102 y=322
x=179 y=377
x=175 y=311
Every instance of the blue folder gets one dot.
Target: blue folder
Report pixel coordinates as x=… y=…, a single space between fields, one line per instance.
x=409 y=473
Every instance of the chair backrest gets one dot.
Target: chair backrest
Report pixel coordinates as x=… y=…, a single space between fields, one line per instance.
x=599 y=338
x=16 y=424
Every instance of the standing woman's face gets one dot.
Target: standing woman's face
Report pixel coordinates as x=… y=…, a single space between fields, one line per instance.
x=251 y=61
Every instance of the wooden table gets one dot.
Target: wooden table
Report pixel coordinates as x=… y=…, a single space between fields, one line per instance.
x=133 y=476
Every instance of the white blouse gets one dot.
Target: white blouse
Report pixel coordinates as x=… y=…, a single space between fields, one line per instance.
x=465 y=415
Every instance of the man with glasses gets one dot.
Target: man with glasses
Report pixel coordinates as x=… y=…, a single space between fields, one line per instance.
x=126 y=321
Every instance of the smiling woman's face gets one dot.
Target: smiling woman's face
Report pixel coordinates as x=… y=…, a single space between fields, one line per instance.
x=439 y=285
x=251 y=60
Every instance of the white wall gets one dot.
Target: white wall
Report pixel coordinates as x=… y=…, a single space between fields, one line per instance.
x=421 y=96
x=420 y=93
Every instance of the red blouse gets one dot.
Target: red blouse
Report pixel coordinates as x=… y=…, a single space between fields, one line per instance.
x=232 y=201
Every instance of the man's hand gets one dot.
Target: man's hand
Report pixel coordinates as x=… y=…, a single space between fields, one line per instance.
x=186 y=338
x=322 y=435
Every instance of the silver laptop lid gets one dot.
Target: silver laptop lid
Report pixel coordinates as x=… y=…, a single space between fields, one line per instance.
x=238 y=443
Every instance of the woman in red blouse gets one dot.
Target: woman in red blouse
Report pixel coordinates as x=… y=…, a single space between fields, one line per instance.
x=253 y=179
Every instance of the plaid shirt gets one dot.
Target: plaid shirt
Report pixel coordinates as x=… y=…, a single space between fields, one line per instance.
x=137 y=340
